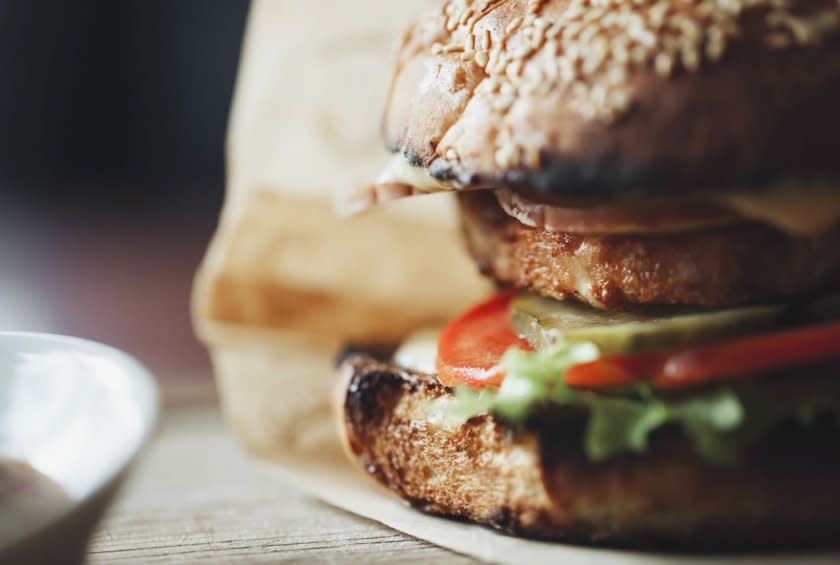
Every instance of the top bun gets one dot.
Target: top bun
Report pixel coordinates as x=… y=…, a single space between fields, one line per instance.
x=575 y=97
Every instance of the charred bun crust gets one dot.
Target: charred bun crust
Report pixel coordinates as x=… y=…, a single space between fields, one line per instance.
x=585 y=97
x=536 y=483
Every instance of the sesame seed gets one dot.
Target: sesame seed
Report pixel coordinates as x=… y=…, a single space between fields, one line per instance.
x=568 y=72
x=656 y=15
x=599 y=94
x=486 y=40
x=514 y=68
x=690 y=57
x=502 y=103
x=663 y=63
x=620 y=100
x=617 y=74
x=507 y=156
x=551 y=73
x=589 y=50
x=638 y=55
x=513 y=25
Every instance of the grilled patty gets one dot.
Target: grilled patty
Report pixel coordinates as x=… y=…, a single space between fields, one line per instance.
x=534 y=481
x=714 y=267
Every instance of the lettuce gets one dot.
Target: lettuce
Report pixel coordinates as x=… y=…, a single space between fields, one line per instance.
x=720 y=422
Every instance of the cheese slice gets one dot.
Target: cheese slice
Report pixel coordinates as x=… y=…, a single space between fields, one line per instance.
x=798 y=209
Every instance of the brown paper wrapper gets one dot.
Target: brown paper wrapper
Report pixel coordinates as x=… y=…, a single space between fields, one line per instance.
x=285 y=282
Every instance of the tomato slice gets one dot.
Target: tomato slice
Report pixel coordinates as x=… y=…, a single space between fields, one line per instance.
x=471 y=347
x=721 y=361
x=609 y=372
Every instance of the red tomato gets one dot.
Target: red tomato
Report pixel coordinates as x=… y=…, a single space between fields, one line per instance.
x=471 y=347
x=703 y=364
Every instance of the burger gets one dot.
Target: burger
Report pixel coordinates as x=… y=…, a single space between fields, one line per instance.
x=654 y=187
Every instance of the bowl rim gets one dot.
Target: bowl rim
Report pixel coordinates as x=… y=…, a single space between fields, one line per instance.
x=148 y=399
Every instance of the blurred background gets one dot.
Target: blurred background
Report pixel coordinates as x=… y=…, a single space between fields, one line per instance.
x=113 y=119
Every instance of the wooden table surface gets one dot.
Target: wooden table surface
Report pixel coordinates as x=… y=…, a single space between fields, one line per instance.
x=195 y=496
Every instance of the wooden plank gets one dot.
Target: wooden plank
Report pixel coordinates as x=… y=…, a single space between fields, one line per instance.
x=196 y=497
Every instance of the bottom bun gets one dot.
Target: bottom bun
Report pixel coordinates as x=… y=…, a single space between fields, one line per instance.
x=535 y=481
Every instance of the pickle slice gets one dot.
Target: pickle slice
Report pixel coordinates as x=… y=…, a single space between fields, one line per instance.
x=544 y=322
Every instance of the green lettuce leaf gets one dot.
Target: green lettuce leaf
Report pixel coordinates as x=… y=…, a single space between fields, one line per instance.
x=720 y=422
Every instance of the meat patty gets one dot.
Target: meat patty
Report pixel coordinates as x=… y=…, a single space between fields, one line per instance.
x=536 y=482
x=722 y=266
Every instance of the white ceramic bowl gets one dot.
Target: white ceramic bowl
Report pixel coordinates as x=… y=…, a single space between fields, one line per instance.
x=77 y=414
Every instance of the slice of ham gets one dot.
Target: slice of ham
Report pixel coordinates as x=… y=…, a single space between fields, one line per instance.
x=642 y=217
x=804 y=207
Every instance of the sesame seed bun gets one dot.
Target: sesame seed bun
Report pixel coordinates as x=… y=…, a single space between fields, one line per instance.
x=577 y=97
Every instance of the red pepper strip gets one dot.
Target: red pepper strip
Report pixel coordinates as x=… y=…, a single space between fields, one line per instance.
x=721 y=361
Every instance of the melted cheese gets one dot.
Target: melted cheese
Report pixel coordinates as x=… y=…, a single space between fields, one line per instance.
x=419 y=351
x=400 y=171
x=807 y=208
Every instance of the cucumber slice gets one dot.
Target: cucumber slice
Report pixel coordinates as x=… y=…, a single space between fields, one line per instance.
x=544 y=322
